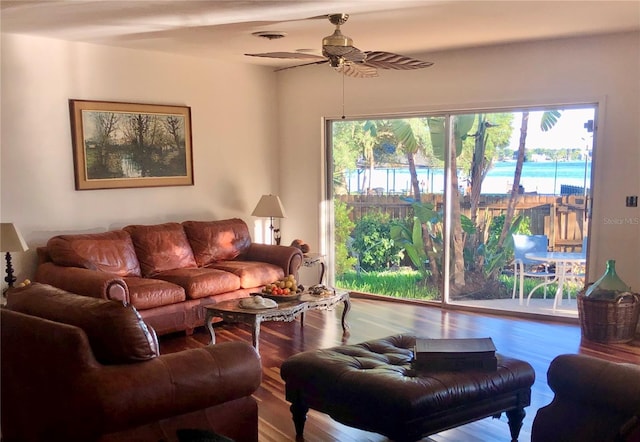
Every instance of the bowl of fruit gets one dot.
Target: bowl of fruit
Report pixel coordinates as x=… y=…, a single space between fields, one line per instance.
x=282 y=290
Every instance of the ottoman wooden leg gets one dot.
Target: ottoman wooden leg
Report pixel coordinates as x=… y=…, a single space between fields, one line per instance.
x=516 y=416
x=299 y=414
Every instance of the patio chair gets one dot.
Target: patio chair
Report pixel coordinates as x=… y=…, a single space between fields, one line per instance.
x=524 y=267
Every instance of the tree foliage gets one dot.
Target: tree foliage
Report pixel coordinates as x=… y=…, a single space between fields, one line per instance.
x=372 y=239
x=343 y=228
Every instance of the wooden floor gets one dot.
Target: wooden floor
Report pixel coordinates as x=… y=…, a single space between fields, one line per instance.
x=533 y=341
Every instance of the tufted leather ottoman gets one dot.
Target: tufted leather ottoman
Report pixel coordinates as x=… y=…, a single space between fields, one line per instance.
x=371 y=386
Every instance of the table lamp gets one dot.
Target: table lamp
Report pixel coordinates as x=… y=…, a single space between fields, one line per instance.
x=270 y=207
x=11 y=241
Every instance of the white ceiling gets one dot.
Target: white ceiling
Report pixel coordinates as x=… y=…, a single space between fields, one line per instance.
x=223 y=29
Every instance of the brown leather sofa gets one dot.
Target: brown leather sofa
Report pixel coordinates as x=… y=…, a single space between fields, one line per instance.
x=76 y=368
x=594 y=401
x=168 y=272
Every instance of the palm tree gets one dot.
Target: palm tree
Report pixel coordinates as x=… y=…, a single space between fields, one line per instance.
x=367 y=139
x=349 y=140
x=548 y=121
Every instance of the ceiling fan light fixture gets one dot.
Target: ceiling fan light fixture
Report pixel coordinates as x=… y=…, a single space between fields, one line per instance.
x=337 y=39
x=336 y=62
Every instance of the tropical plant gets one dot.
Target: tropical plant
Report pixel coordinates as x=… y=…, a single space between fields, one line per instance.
x=409 y=236
x=413 y=136
x=497 y=257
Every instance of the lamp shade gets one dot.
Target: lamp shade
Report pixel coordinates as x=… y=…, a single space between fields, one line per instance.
x=11 y=240
x=269 y=206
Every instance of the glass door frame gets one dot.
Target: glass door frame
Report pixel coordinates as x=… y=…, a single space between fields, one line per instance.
x=327 y=223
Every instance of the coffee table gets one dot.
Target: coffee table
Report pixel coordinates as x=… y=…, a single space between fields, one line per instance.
x=287 y=311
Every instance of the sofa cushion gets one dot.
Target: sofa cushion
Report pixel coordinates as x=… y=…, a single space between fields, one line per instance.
x=201 y=282
x=251 y=273
x=109 y=252
x=116 y=332
x=213 y=241
x=161 y=247
x=146 y=293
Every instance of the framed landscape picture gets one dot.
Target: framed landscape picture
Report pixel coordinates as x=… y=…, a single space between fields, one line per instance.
x=120 y=145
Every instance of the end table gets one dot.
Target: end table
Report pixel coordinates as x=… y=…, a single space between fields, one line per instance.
x=313 y=260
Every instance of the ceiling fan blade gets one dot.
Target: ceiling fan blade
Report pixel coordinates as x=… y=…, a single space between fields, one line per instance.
x=324 y=60
x=290 y=55
x=389 y=60
x=357 y=70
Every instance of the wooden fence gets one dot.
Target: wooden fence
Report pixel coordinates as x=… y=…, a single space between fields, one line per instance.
x=561 y=218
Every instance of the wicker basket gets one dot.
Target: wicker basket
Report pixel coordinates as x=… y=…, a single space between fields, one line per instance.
x=609 y=321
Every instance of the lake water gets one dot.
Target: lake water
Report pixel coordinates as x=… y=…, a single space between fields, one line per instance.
x=545 y=177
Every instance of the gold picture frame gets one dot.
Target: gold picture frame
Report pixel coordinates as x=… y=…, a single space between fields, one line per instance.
x=123 y=145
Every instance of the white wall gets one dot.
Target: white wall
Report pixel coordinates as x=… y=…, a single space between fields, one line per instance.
x=233 y=124
x=603 y=69
x=256 y=132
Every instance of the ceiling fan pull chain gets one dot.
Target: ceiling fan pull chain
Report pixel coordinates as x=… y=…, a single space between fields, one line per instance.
x=343 y=117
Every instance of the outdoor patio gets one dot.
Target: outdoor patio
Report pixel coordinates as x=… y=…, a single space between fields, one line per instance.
x=568 y=309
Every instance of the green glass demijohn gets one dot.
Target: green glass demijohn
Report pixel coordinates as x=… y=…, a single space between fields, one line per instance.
x=609 y=286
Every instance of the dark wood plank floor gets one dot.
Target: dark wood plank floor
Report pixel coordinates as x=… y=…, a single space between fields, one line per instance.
x=535 y=342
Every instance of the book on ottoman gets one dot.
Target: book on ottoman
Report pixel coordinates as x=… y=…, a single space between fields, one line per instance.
x=455 y=354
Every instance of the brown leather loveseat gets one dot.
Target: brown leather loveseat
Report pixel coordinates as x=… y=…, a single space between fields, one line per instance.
x=76 y=368
x=168 y=272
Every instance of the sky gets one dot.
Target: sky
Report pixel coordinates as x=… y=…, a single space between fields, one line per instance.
x=569 y=131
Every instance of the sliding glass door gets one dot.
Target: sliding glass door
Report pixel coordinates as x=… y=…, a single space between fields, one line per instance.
x=427 y=207
x=387 y=188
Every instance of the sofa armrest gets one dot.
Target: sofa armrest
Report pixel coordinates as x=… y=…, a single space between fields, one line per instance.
x=286 y=257
x=172 y=384
x=594 y=400
x=83 y=281
x=597 y=382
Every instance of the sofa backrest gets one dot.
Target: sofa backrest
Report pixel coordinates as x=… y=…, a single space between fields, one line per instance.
x=116 y=332
x=213 y=241
x=161 y=247
x=147 y=250
x=109 y=252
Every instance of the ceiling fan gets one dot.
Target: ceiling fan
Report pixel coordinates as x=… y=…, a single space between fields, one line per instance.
x=339 y=52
